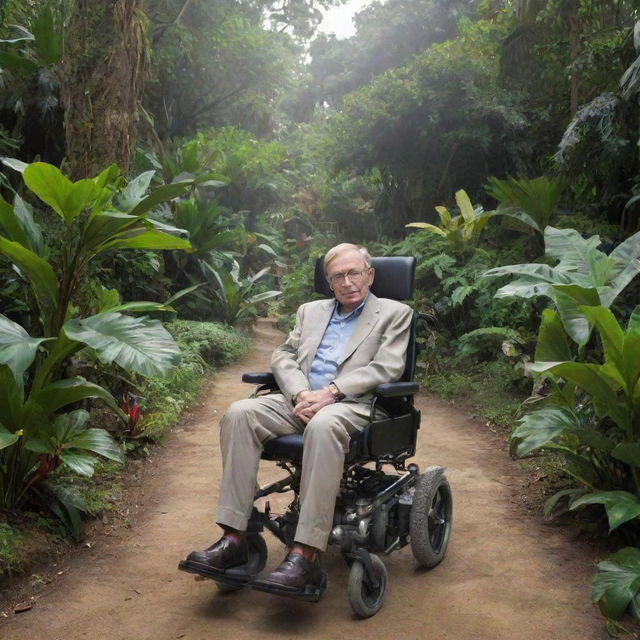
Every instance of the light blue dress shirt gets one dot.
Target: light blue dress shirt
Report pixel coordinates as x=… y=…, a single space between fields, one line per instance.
x=335 y=338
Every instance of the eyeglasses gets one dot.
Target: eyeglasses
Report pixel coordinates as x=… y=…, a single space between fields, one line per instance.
x=353 y=274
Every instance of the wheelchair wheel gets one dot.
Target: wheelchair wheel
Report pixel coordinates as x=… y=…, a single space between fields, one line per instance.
x=430 y=519
x=363 y=598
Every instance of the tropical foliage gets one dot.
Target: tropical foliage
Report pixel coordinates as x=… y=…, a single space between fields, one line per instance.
x=249 y=144
x=96 y=215
x=463 y=230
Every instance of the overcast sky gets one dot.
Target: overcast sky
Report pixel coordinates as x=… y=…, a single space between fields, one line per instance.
x=338 y=19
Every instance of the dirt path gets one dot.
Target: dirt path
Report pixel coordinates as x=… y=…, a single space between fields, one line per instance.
x=506 y=576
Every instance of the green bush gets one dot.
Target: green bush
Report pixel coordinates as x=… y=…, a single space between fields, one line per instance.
x=216 y=344
x=205 y=346
x=10 y=540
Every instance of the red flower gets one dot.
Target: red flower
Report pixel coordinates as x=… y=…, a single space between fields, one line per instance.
x=131 y=407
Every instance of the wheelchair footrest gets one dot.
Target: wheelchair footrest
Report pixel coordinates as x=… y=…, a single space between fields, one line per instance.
x=309 y=593
x=237 y=576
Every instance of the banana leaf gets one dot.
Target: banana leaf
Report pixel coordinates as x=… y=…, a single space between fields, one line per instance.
x=616 y=582
x=136 y=344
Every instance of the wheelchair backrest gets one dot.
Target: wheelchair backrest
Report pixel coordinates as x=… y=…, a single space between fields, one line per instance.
x=394 y=279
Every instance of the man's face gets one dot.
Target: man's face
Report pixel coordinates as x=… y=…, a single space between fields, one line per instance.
x=349 y=279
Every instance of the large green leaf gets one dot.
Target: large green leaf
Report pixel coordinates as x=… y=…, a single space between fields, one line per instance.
x=81 y=463
x=97 y=441
x=147 y=239
x=18 y=63
x=597 y=382
x=23 y=35
x=11 y=399
x=530 y=200
x=552 y=344
x=264 y=295
x=106 y=226
x=573 y=320
x=10 y=224
x=631 y=354
x=71 y=439
x=547 y=425
x=628 y=452
x=183 y=292
x=580 y=263
x=61 y=393
x=626 y=266
x=161 y=194
x=107 y=182
x=518 y=214
x=32 y=230
x=136 y=344
x=141 y=306
x=617 y=582
x=621 y=506
x=621 y=350
x=427 y=227
x=17 y=348
x=134 y=192
x=7 y=438
x=66 y=198
x=465 y=206
x=610 y=331
x=613 y=342
x=14 y=163
x=38 y=271
x=575 y=253
x=66 y=504
x=535 y=280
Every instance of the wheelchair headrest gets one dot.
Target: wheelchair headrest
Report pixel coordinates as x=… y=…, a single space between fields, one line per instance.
x=394 y=277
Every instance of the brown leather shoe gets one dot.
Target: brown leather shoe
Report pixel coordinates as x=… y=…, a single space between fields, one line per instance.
x=220 y=556
x=295 y=577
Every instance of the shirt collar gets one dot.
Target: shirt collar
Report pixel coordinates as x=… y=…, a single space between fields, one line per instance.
x=357 y=311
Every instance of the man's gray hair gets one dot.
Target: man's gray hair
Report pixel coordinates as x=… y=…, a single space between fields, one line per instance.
x=334 y=252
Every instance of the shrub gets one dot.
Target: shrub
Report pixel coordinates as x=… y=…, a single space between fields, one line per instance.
x=205 y=346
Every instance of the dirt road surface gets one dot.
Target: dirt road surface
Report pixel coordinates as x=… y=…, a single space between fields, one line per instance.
x=506 y=576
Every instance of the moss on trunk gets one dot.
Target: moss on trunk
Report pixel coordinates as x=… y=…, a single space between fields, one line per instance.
x=103 y=74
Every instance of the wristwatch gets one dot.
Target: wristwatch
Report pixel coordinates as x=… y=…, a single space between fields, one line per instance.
x=337 y=394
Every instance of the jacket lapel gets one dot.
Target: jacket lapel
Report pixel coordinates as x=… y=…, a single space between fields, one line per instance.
x=367 y=320
x=319 y=325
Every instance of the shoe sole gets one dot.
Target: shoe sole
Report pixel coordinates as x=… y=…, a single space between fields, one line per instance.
x=309 y=593
x=235 y=576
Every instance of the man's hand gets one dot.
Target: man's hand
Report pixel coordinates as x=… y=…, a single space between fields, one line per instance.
x=308 y=403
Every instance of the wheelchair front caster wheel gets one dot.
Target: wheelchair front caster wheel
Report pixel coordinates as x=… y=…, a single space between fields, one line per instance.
x=430 y=519
x=364 y=598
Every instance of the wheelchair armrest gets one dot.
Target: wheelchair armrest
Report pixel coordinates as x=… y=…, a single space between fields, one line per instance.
x=265 y=377
x=395 y=389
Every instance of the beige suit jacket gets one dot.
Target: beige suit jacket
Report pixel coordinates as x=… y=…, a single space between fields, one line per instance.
x=375 y=353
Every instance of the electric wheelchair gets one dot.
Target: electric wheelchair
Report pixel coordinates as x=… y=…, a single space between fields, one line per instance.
x=376 y=511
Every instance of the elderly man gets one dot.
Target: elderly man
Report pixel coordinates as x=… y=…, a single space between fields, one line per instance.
x=337 y=353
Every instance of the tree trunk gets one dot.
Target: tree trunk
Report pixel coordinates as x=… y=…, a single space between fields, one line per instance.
x=103 y=73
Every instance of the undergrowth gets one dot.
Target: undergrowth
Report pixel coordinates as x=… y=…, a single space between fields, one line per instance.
x=494 y=390
x=205 y=347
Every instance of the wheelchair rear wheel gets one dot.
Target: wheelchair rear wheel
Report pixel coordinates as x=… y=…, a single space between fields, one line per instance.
x=364 y=599
x=430 y=519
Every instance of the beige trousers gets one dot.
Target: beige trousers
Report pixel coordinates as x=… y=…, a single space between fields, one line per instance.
x=249 y=423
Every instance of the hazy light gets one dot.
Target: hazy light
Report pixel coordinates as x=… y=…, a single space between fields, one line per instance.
x=338 y=20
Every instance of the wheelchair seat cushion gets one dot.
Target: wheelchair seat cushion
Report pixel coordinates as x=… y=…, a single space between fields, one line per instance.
x=284 y=448
x=290 y=447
